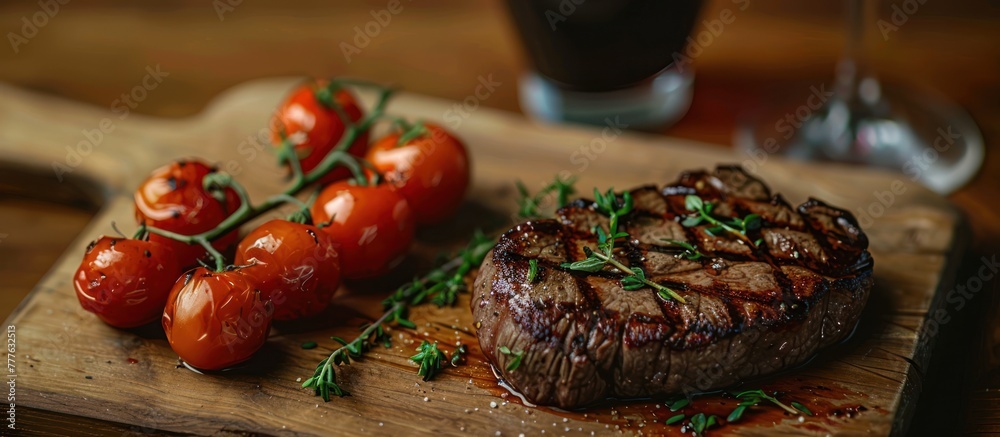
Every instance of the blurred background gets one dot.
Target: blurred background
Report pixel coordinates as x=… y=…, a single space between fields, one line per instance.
x=93 y=51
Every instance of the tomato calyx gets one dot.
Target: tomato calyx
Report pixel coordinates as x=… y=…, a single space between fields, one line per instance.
x=325 y=96
x=411 y=132
x=427 y=165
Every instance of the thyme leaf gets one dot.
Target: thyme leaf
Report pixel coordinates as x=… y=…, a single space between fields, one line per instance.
x=515 y=358
x=700 y=423
x=532 y=270
x=429 y=358
x=690 y=251
x=680 y=403
x=739 y=227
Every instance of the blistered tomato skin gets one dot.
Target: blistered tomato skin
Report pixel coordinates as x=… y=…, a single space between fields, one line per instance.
x=371 y=226
x=125 y=282
x=430 y=171
x=315 y=128
x=173 y=198
x=215 y=320
x=295 y=266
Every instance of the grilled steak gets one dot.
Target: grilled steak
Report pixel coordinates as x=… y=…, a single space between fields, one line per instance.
x=749 y=310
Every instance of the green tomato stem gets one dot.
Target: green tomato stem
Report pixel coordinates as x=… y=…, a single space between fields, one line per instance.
x=220 y=261
x=141 y=233
x=338 y=155
x=292 y=199
x=415 y=131
x=287 y=154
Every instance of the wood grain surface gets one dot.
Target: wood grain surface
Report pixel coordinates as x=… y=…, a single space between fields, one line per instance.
x=73 y=364
x=439 y=48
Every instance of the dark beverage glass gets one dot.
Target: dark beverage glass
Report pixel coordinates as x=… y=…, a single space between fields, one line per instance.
x=595 y=59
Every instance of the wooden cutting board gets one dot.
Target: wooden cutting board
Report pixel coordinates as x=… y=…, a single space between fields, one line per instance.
x=69 y=362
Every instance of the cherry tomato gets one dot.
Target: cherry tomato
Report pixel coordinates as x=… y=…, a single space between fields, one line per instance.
x=215 y=320
x=125 y=282
x=430 y=171
x=315 y=128
x=297 y=267
x=372 y=227
x=174 y=199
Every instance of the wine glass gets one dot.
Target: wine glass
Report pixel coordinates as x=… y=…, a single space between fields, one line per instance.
x=928 y=138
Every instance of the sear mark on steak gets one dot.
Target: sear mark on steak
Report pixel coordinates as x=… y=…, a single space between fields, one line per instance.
x=749 y=310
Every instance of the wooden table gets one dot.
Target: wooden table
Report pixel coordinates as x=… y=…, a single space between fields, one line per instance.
x=442 y=49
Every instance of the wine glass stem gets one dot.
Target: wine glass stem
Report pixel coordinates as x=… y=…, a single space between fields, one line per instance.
x=853 y=65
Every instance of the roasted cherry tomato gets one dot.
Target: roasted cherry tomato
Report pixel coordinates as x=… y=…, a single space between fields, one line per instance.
x=372 y=227
x=174 y=199
x=296 y=267
x=216 y=320
x=125 y=282
x=431 y=171
x=308 y=119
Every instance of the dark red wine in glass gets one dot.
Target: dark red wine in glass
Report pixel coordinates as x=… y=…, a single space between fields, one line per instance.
x=598 y=60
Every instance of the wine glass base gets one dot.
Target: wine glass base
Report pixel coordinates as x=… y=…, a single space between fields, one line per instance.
x=929 y=140
x=652 y=104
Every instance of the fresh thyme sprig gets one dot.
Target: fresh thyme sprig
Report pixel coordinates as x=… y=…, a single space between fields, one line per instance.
x=442 y=285
x=529 y=204
x=635 y=278
x=429 y=358
x=607 y=204
x=735 y=226
x=516 y=358
x=690 y=251
x=699 y=423
x=324 y=379
x=750 y=398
